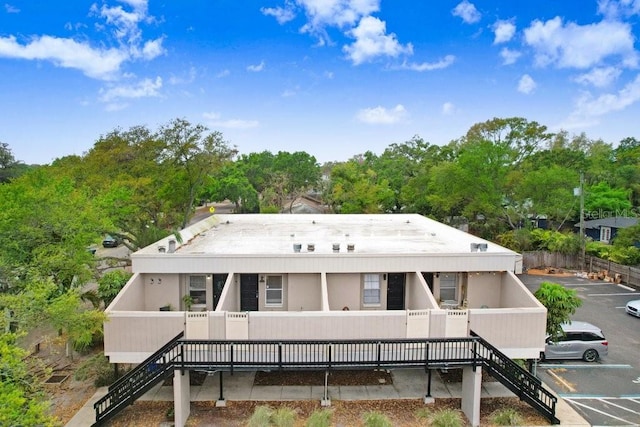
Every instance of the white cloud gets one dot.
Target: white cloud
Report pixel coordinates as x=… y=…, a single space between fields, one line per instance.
x=467 y=11
x=256 y=68
x=503 y=31
x=213 y=119
x=96 y=62
x=152 y=49
x=448 y=108
x=143 y=89
x=321 y=14
x=526 y=84
x=282 y=14
x=371 y=42
x=429 y=66
x=223 y=73
x=509 y=56
x=124 y=23
x=614 y=9
x=328 y=74
x=599 y=77
x=67 y=53
x=588 y=106
x=580 y=46
x=9 y=8
x=380 y=115
x=339 y=13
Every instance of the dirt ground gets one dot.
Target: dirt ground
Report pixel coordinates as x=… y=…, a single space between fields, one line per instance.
x=344 y=413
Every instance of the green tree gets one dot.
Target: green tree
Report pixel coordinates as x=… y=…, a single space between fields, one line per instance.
x=560 y=302
x=355 y=188
x=189 y=154
x=602 y=198
x=46 y=224
x=42 y=302
x=23 y=400
x=110 y=284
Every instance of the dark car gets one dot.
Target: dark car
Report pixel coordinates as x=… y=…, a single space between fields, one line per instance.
x=110 y=242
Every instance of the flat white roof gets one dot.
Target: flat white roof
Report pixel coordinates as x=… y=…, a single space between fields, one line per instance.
x=275 y=234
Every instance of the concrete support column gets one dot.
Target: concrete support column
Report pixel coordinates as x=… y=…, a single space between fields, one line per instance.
x=471 y=391
x=181 y=397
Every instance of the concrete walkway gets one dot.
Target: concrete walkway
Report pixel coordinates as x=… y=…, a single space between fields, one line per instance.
x=407 y=384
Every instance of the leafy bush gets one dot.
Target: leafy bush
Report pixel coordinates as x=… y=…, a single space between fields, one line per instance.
x=261 y=417
x=98 y=368
x=283 y=417
x=540 y=240
x=446 y=418
x=506 y=417
x=111 y=283
x=376 y=419
x=321 y=418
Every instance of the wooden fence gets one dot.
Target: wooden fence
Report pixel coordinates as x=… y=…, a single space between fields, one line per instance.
x=542 y=259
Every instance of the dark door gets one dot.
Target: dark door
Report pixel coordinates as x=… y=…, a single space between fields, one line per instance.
x=218 y=285
x=395 y=291
x=248 y=292
x=428 y=277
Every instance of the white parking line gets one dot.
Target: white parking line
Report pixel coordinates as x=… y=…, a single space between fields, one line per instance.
x=608 y=402
x=589 y=366
x=615 y=294
x=629 y=288
x=599 y=411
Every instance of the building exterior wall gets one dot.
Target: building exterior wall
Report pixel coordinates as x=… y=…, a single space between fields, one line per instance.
x=161 y=290
x=130 y=336
x=305 y=293
x=325 y=326
x=483 y=290
x=344 y=291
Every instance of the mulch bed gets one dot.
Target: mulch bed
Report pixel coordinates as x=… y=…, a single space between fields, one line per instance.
x=338 y=377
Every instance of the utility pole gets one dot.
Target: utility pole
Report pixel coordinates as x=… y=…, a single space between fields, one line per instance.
x=582 y=239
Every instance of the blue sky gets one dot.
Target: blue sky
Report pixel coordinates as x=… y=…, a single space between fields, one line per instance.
x=334 y=78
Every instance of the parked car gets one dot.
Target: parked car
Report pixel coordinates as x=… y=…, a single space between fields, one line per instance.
x=581 y=340
x=110 y=242
x=633 y=308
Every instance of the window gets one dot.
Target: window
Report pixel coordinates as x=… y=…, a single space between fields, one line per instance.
x=448 y=287
x=274 y=290
x=371 y=291
x=198 y=289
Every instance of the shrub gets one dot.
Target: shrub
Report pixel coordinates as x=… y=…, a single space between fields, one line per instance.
x=506 y=417
x=98 y=368
x=261 y=417
x=283 y=417
x=446 y=418
x=376 y=419
x=321 y=418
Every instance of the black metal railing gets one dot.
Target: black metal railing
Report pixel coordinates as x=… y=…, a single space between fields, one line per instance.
x=138 y=381
x=521 y=382
x=224 y=355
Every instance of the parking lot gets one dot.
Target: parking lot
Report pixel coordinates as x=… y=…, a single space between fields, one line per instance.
x=607 y=392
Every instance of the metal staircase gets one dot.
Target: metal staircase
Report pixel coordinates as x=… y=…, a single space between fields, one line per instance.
x=232 y=356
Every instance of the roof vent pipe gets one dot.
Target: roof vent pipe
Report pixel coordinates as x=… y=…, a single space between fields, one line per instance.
x=297 y=247
x=336 y=247
x=162 y=249
x=172 y=246
x=474 y=247
x=311 y=247
x=350 y=247
x=482 y=247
